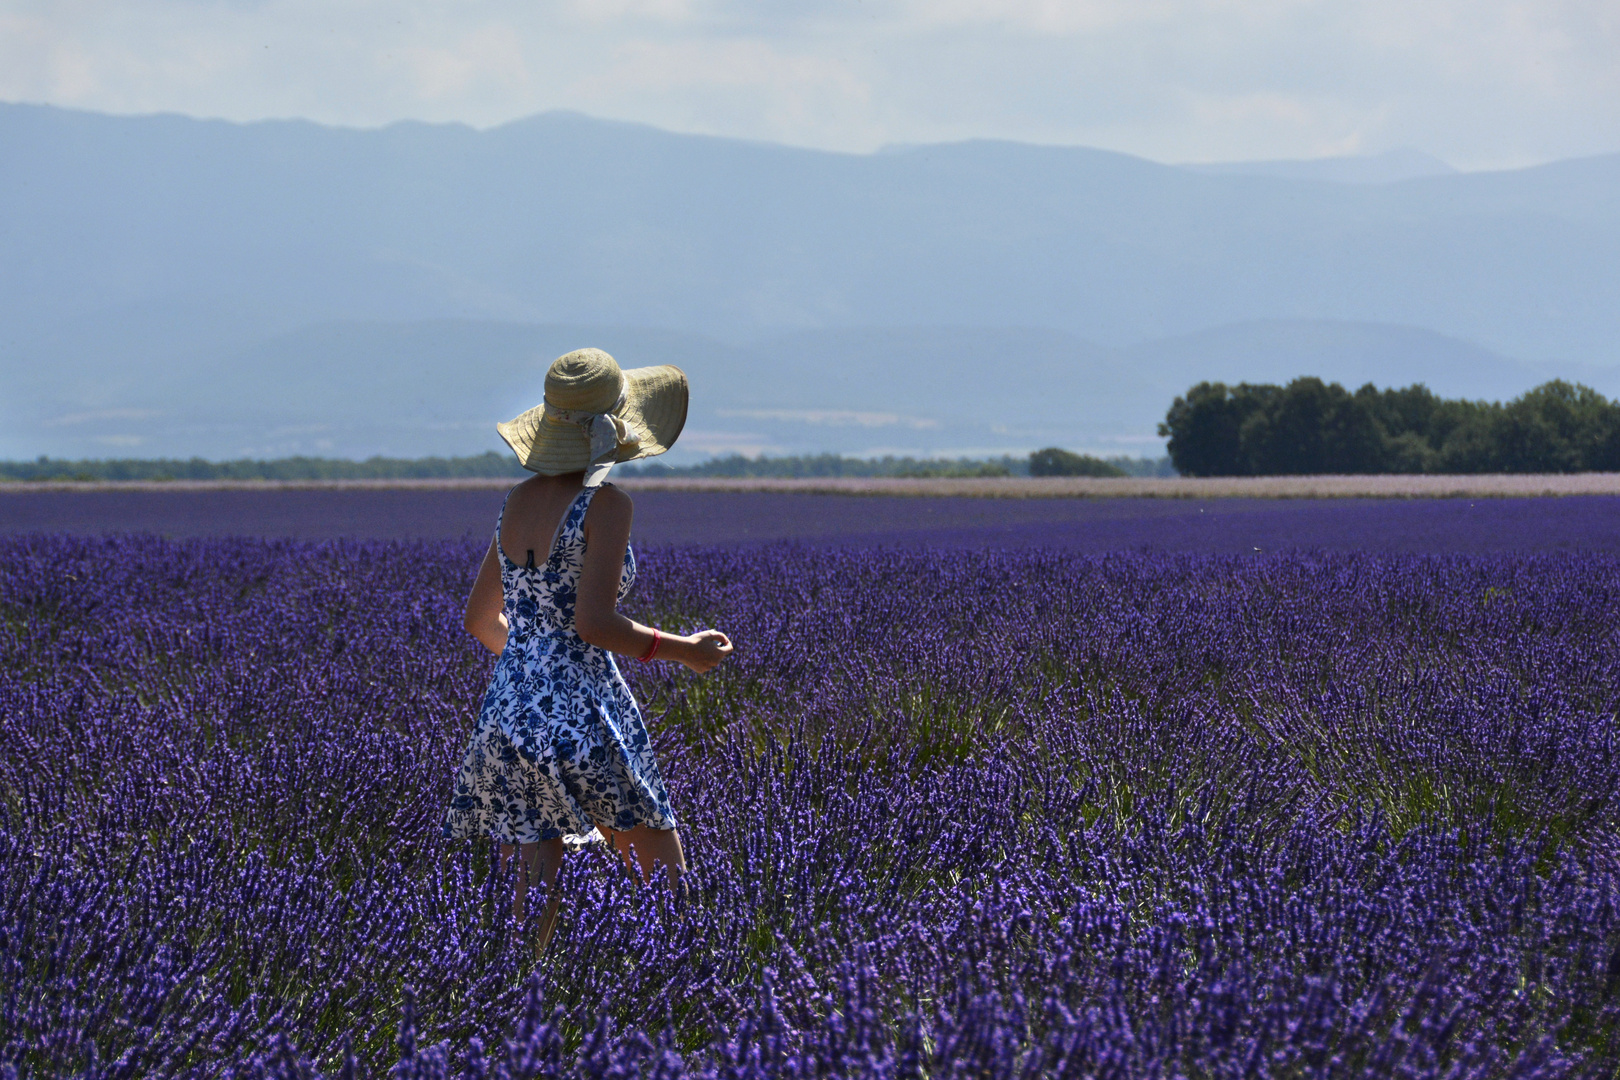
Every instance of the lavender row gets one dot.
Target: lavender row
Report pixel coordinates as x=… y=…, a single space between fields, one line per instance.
x=949 y=813
x=1226 y=526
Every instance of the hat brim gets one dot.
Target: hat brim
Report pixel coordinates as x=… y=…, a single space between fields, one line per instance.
x=654 y=404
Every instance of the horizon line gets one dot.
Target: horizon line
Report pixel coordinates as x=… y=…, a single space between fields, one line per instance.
x=1198 y=166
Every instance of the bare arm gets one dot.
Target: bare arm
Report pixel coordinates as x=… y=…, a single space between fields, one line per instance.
x=485 y=619
x=596 y=614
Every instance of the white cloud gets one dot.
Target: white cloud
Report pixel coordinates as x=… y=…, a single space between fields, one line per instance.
x=99 y=416
x=947 y=453
x=1045 y=17
x=717 y=443
x=728 y=86
x=612 y=12
x=1478 y=82
x=489 y=56
x=834 y=418
x=295 y=430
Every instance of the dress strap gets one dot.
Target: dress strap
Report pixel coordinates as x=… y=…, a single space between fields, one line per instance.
x=500 y=517
x=573 y=524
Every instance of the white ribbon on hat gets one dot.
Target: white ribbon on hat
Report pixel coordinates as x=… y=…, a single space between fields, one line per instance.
x=608 y=434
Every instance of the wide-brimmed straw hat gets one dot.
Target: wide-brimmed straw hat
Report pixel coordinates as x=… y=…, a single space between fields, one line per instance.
x=595 y=415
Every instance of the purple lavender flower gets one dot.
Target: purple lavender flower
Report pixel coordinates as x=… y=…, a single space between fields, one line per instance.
x=950 y=812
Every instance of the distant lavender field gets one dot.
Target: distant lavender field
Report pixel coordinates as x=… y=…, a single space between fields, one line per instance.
x=666 y=517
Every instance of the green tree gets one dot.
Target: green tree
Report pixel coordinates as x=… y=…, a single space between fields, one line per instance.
x=1055 y=462
x=1556 y=427
x=1312 y=427
x=1203 y=428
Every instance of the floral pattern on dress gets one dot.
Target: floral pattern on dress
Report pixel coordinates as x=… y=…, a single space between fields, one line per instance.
x=560 y=744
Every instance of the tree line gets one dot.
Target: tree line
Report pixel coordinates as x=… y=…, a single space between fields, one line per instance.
x=1314 y=427
x=1047 y=462
x=1050 y=461
x=821 y=466
x=291 y=468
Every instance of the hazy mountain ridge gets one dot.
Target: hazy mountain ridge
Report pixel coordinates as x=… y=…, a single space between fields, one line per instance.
x=1390 y=167
x=191 y=280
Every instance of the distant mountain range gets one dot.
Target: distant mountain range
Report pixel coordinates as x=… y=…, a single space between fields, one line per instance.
x=172 y=286
x=1385 y=168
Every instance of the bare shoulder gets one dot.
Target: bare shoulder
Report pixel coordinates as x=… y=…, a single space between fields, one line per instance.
x=526 y=490
x=610 y=508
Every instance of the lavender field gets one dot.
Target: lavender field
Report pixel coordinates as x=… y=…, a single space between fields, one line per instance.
x=951 y=812
x=1235 y=525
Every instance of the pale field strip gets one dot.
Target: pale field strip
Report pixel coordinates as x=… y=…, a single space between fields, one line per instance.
x=1012 y=487
x=1181 y=487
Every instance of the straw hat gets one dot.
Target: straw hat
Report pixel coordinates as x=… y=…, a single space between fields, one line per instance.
x=594 y=415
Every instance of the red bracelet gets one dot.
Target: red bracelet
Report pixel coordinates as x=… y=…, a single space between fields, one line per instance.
x=652 y=650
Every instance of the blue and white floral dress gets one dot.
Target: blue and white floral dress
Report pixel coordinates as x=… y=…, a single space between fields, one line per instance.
x=560 y=744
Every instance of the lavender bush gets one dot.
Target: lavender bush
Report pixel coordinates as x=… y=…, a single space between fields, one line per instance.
x=998 y=814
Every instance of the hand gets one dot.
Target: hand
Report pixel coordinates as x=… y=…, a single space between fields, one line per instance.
x=703 y=651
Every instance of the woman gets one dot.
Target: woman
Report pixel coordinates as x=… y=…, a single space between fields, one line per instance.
x=560 y=756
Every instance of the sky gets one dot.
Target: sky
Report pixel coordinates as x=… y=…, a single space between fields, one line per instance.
x=1477 y=83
